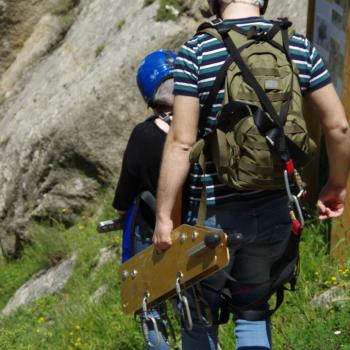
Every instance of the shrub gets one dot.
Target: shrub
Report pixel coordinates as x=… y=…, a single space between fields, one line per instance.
x=169 y=10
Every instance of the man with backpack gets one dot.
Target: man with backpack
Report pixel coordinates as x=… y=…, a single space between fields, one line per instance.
x=137 y=184
x=239 y=84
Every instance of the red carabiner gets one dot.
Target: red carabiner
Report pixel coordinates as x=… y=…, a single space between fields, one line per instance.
x=296 y=227
x=289 y=167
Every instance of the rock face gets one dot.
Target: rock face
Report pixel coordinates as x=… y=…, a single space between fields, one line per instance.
x=68 y=105
x=295 y=10
x=46 y=282
x=65 y=123
x=17 y=19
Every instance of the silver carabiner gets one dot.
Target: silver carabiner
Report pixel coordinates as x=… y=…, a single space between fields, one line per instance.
x=185 y=309
x=178 y=287
x=144 y=319
x=186 y=313
x=287 y=185
x=299 y=210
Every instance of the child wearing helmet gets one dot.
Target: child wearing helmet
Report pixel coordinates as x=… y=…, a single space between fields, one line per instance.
x=141 y=163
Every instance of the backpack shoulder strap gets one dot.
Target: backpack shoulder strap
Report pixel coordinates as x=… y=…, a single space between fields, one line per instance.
x=210 y=29
x=212 y=32
x=217 y=29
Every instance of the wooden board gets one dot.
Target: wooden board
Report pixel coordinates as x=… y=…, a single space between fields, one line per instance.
x=155 y=274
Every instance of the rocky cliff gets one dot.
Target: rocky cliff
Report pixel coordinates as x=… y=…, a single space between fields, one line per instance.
x=68 y=97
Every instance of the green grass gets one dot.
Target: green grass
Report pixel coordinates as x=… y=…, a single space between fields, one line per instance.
x=68 y=320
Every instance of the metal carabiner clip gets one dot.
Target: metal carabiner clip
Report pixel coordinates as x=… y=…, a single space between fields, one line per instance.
x=299 y=210
x=144 y=319
x=287 y=185
x=185 y=309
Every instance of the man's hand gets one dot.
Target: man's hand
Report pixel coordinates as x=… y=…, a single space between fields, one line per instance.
x=331 y=201
x=162 y=235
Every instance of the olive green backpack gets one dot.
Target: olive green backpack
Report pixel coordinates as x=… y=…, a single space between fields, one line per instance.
x=260 y=127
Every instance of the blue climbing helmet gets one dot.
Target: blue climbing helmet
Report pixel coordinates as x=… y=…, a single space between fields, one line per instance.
x=155 y=68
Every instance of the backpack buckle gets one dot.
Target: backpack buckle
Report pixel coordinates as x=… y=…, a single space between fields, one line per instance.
x=215 y=22
x=285 y=23
x=255 y=33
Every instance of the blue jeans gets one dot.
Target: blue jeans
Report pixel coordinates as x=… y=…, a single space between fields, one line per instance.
x=266 y=226
x=141 y=244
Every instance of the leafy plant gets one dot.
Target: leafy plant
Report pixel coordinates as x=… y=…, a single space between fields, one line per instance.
x=169 y=10
x=99 y=49
x=120 y=24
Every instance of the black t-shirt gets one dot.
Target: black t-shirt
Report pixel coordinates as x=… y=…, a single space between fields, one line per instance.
x=140 y=167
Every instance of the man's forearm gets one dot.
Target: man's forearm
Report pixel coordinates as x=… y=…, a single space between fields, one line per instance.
x=338 y=149
x=174 y=170
x=327 y=106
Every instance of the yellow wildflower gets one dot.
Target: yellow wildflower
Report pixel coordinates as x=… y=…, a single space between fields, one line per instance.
x=77 y=327
x=64 y=210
